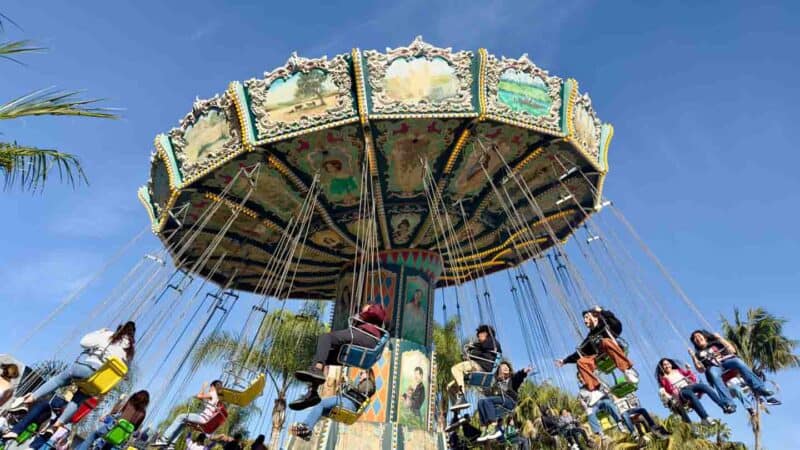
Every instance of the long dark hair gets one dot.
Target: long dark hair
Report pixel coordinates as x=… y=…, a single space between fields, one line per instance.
x=140 y=400
x=128 y=330
x=660 y=371
x=706 y=334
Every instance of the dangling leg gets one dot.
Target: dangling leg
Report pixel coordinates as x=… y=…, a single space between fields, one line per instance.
x=748 y=376
x=688 y=395
x=586 y=368
x=611 y=348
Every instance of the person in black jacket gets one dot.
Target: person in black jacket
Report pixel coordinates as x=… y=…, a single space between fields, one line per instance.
x=415 y=397
x=604 y=328
x=480 y=358
x=504 y=392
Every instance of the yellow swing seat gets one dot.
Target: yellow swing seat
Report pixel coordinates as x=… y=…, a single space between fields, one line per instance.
x=345 y=416
x=105 y=378
x=245 y=397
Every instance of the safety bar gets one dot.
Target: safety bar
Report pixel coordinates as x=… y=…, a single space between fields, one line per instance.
x=467 y=353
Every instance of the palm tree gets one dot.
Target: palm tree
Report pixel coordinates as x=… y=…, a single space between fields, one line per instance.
x=293 y=338
x=27 y=164
x=761 y=344
x=448 y=354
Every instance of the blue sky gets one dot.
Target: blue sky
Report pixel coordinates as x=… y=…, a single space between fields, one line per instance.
x=702 y=97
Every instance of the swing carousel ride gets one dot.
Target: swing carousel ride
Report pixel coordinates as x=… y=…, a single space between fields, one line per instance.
x=389 y=177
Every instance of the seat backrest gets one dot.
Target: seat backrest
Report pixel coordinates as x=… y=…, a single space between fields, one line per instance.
x=345 y=416
x=479 y=379
x=120 y=433
x=84 y=410
x=362 y=357
x=729 y=375
x=219 y=417
x=105 y=378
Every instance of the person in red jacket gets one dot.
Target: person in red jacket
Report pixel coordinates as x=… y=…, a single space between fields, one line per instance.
x=366 y=333
x=681 y=385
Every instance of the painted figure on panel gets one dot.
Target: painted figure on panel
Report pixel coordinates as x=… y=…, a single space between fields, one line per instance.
x=414 y=310
x=414 y=378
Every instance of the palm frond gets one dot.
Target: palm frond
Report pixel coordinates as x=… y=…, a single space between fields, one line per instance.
x=17 y=47
x=31 y=166
x=51 y=102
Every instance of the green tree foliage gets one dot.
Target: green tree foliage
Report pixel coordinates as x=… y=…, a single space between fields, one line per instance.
x=761 y=343
x=29 y=166
x=293 y=338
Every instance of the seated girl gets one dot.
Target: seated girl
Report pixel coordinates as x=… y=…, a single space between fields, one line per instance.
x=571 y=429
x=351 y=398
x=366 y=334
x=210 y=401
x=504 y=395
x=134 y=410
x=714 y=355
x=682 y=386
x=98 y=347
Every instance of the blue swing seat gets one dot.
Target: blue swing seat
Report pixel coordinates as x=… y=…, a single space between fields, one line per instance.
x=482 y=379
x=352 y=355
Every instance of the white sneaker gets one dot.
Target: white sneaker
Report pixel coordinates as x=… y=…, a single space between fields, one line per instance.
x=631 y=375
x=159 y=443
x=574 y=447
x=709 y=421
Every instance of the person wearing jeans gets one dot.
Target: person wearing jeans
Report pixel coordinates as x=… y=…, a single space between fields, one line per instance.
x=715 y=355
x=604 y=404
x=81 y=369
x=210 y=408
x=681 y=384
x=364 y=388
x=659 y=431
x=487 y=408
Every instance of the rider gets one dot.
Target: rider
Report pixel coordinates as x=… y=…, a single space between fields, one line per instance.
x=211 y=402
x=681 y=384
x=604 y=328
x=134 y=410
x=506 y=385
x=571 y=429
x=714 y=355
x=366 y=333
x=595 y=401
x=482 y=355
x=351 y=398
x=98 y=347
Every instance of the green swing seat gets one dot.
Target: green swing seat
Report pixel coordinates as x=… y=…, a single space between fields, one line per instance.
x=121 y=432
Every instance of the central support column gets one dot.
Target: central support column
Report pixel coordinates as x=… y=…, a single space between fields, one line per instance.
x=400 y=415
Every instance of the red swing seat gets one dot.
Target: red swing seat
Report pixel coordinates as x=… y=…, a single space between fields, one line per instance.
x=86 y=407
x=212 y=424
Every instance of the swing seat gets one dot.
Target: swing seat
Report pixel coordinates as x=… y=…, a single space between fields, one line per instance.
x=216 y=421
x=483 y=379
x=105 y=378
x=623 y=388
x=345 y=416
x=86 y=407
x=604 y=363
x=120 y=433
x=606 y=422
x=26 y=434
x=362 y=357
x=245 y=397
